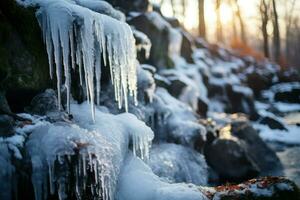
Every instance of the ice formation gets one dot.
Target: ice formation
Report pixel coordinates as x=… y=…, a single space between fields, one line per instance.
x=76 y=34
x=178 y=164
x=137 y=182
x=92 y=153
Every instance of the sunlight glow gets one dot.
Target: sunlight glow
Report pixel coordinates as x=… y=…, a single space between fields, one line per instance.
x=226 y=14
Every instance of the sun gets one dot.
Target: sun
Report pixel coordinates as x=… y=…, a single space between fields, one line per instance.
x=226 y=13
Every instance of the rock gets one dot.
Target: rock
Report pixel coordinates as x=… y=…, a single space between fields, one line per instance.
x=173 y=21
x=4 y=107
x=175 y=122
x=288 y=75
x=257 y=82
x=23 y=58
x=6 y=125
x=259 y=152
x=287 y=92
x=265 y=188
x=242 y=100
x=202 y=107
x=230 y=160
x=188 y=46
x=272 y=123
x=143 y=46
x=178 y=164
x=44 y=103
x=166 y=41
x=130 y=5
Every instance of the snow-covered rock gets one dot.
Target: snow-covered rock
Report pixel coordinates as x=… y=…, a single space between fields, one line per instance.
x=137 y=182
x=178 y=164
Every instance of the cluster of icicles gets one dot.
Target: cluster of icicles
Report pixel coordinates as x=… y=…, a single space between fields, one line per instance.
x=77 y=37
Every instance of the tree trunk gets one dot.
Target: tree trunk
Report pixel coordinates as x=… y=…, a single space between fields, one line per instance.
x=241 y=22
x=202 y=28
x=276 y=33
x=219 y=23
x=233 y=23
x=264 y=23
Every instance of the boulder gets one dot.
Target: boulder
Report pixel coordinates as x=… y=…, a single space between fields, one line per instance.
x=6 y=125
x=241 y=100
x=259 y=152
x=258 y=82
x=202 y=107
x=130 y=5
x=291 y=95
x=4 y=107
x=166 y=41
x=44 y=103
x=23 y=58
x=272 y=123
x=229 y=159
x=265 y=188
x=178 y=164
x=143 y=46
x=188 y=46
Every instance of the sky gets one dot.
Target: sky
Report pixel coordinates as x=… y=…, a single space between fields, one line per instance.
x=249 y=9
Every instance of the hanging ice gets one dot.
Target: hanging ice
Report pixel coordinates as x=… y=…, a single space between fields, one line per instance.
x=80 y=36
x=84 y=158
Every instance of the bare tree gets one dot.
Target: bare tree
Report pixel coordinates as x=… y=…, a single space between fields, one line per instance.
x=264 y=14
x=276 y=33
x=219 y=23
x=233 y=22
x=202 y=27
x=288 y=18
x=241 y=22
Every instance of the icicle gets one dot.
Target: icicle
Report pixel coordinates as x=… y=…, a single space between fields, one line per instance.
x=97 y=37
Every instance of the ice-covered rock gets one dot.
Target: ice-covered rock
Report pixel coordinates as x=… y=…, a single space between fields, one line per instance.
x=137 y=182
x=76 y=35
x=74 y=159
x=166 y=41
x=175 y=122
x=143 y=45
x=178 y=164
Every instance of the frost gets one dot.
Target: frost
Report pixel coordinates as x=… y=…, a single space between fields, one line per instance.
x=76 y=34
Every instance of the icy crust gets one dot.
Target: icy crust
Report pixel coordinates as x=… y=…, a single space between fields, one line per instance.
x=90 y=153
x=137 y=182
x=78 y=36
x=178 y=164
x=174 y=120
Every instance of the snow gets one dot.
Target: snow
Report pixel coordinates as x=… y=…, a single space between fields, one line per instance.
x=175 y=119
x=291 y=136
x=176 y=163
x=281 y=87
x=287 y=107
x=137 y=182
x=75 y=34
x=144 y=42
